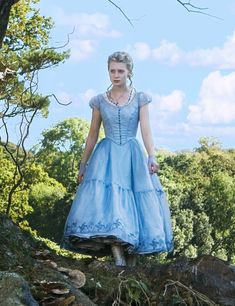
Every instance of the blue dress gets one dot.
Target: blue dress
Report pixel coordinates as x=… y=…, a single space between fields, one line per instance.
x=118 y=201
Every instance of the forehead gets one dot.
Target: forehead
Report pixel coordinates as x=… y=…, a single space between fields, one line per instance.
x=117 y=65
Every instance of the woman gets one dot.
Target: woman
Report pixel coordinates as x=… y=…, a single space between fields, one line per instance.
x=120 y=207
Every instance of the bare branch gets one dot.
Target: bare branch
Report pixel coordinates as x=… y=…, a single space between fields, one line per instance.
x=67 y=42
x=118 y=7
x=18 y=170
x=54 y=96
x=188 y=4
x=191 y=8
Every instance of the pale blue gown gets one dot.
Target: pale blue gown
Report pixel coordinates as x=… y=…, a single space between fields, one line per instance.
x=119 y=201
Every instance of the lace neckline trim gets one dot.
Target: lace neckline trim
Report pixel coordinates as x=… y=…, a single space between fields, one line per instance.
x=131 y=98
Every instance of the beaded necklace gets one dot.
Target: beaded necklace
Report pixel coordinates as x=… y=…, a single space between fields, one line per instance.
x=108 y=94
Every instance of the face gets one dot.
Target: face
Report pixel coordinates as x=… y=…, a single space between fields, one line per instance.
x=118 y=73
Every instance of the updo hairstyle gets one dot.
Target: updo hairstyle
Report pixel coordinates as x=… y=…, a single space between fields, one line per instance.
x=122 y=57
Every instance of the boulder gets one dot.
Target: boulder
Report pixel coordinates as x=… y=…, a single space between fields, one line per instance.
x=14 y=290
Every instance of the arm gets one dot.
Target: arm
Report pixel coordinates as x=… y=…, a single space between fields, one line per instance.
x=91 y=141
x=147 y=138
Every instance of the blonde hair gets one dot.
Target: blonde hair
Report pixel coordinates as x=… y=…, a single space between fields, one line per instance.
x=122 y=57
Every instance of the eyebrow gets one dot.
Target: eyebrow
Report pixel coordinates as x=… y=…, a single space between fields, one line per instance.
x=116 y=69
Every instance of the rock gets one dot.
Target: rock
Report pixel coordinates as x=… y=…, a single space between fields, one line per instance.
x=63 y=270
x=78 y=278
x=67 y=301
x=54 y=280
x=22 y=253
x=14 y=290
x=206 y=274
x=50 y=263
x=43 y=253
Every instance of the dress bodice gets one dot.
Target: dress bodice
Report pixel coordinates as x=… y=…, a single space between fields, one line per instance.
x=120 y=121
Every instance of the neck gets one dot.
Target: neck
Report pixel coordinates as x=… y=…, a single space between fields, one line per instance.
x=120 y=88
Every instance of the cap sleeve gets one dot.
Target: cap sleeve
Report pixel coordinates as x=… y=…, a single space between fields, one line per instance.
x=94 y=102
x=144 y=99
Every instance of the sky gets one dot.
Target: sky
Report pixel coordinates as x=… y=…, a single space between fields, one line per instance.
x=185 y=61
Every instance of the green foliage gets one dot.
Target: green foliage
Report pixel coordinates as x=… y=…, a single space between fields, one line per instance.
x=132 y=291
x=44 y=195
x=20 y=206
x=58 y=155
x=60 y=151
x=25 y=50
x=201 y=190
x=36 y=195
x=26 y=27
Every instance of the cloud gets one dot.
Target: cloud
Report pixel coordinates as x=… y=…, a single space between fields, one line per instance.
x=81 y=49
x=171 y=103
x=140 y=50
x=88 y=30
x=175 y=123
x=87 y=95
x=201 y=130
x=80 y=102
x=219 y=58
x=95 y=25
x=216 y=103
x=166 y=106
x=169 y=53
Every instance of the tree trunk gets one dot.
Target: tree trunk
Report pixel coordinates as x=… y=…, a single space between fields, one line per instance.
x=5 y=8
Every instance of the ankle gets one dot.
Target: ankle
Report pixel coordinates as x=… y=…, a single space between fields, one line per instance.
x=118 y=255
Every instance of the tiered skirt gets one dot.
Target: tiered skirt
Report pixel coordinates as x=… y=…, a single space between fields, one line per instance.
x=119 y=202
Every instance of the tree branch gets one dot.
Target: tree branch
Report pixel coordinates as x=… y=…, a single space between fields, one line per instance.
x=187 y=5
x=191 y=8
x=118 y=7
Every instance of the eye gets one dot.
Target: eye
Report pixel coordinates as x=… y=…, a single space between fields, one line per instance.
x=120 y=71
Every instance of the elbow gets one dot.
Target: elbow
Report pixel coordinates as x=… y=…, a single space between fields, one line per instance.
x=92 y=139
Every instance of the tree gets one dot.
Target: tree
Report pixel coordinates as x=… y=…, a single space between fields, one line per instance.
x=25 y=52
x=34 y=203
x=60 y=151
x=59 y=154
x=201 y=189
x=5 y=8
x=44 y=193
x=20 y=206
